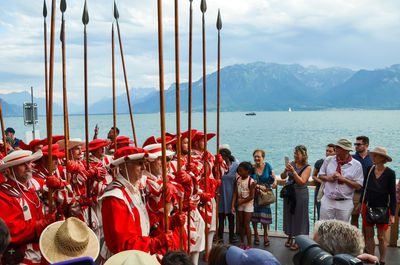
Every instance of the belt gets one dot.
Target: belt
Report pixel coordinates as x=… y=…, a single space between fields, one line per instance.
x=341 y=199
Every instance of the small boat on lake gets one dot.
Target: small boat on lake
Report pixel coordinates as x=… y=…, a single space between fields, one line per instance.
x=251 y=114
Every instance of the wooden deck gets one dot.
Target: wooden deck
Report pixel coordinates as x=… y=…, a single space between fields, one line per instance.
x=285 y=255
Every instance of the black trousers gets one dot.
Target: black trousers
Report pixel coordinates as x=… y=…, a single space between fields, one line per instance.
x=221 y=222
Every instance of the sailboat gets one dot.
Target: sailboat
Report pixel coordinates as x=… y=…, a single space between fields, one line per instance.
x=290 y=109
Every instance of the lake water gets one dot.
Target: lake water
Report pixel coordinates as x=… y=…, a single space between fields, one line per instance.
x=275 y=132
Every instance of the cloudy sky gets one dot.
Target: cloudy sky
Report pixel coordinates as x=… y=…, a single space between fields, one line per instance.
x=355 y=34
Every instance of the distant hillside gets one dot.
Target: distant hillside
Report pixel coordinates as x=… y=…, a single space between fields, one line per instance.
x=256 y=87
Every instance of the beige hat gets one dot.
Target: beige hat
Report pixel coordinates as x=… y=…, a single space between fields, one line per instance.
x=132 y=257
x=155 y=151
x=224 y=146
x=71 y=143
x=19 y=157
x=69 y=239
x=382 y=152
x=345 y=144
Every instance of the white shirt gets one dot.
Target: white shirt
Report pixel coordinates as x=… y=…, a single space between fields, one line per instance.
x=352 y=171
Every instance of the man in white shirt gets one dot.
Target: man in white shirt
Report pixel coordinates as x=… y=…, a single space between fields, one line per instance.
x=342 y=175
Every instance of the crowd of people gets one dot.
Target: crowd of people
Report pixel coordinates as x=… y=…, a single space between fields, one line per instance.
x=114 y=204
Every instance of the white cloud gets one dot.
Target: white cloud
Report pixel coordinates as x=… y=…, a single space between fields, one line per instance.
x=356 y=34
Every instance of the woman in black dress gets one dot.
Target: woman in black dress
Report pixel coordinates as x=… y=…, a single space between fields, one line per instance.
x=380 y=192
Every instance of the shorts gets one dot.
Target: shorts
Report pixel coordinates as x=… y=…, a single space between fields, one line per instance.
x=246 y=209
x=365 y=224
x=356 y=200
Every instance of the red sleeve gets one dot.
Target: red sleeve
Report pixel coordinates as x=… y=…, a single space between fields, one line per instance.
x=121 y=232
x=21 y=231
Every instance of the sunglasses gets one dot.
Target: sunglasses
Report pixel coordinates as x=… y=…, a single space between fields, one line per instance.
x=357 y=144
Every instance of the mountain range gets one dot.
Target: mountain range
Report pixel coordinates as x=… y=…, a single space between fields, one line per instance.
x=256 y=87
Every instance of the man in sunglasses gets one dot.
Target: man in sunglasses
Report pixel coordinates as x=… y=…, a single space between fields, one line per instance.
x=362 y=156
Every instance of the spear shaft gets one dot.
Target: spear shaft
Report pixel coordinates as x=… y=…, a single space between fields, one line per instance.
x=162 y=112
x=65 y=102
x=203 y=7
x=217 y=176
x=178 y=114
x=45 y=65
x=126 y=83
x=190 y=107
x=50 y=113
x=113 y=88
x=2 y=130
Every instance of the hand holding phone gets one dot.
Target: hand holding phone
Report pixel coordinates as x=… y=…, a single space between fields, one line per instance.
x=286 y=160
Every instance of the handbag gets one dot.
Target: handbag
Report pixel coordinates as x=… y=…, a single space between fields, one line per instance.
x=265 y=198
x=375 y=215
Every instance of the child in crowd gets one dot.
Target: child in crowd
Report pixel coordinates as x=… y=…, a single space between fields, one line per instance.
x=243 y=196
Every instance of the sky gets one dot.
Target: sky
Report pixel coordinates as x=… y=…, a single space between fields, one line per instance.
x=358 y=34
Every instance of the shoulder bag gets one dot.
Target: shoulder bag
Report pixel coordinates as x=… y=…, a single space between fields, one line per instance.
x=265 y=198
x=375 y=215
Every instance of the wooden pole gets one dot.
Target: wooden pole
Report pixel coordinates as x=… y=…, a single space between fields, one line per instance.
x=45 y=64
x=63 y=7
x=50 y=113
x=113 y=88
x=190 y=105
x=162 y=112
x=178 y=112
x=2 y=130
x=116 y=16
x=203 y=8
x=85 y=21
x=217 y=176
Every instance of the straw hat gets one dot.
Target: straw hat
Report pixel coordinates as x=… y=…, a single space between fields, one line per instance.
x=69 y=239
x=132 y=257
x=19 y=157
x=344 y=144
x=155 y=151
x=71 y=143
x=382 y=152
x=128 y=153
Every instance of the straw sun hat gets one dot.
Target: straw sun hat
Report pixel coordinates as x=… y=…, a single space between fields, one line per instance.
x=69 y=239
x=71 y=143
x=132 y=257
x=382 y=152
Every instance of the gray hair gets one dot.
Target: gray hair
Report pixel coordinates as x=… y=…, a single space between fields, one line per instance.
x=338 y=237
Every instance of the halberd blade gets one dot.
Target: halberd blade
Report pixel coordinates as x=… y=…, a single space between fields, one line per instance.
x=203 y=6
x=116 y=13
x=219 y=22
x=85 y=15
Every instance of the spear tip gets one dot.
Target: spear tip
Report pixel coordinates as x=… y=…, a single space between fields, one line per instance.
x=116 y=13
x=85 y=15
x=44 y=8
x=219 y=22
x=63 y=6
x=203 y=6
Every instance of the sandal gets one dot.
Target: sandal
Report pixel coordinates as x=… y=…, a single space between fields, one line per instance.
x=267 y=243
x=294 y=247
x=256 y=242
x=289 y=242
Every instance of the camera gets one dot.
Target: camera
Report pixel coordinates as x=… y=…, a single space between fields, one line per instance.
x=310 y=253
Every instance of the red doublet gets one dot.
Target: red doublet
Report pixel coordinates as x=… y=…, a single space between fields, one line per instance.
x=123 y=227
x=20 y=211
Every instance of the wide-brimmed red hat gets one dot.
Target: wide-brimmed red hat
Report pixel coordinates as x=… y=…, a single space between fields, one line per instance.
x=98 y=143
x=200 y=135
x=128 y=153
x=155 y=151
x=55 y=151
x=149 y=141
x=55 y=138
x=124 y=140
x=31 y=144
x=186 y=134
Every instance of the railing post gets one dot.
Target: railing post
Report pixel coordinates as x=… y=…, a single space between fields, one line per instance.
x=394 y=229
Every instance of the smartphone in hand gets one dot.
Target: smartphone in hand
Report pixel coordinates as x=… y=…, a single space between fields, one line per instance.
x=286 y=160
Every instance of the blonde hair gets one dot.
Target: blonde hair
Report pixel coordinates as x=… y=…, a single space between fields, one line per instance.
x=302 y=150
x=338 y=237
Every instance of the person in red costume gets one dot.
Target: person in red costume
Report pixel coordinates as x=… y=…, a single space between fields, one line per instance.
x=21 y=209
x=213 y=163
x=126 y=223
